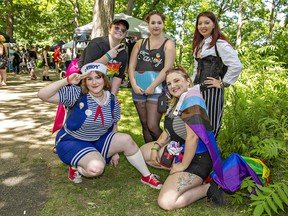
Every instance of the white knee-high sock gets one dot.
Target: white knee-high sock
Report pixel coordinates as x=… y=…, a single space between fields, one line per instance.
x=138 y=162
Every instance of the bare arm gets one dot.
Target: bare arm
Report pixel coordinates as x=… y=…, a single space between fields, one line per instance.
x=50 y=93
x=132 y=67
x=161 y=142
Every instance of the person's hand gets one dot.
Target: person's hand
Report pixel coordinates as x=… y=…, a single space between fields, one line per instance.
x=138 y=90
x=75 y=78
x=149 y=90
x=115 y=160
x=179 y=167
x=155 y=158
x=115 y=50
x=212 y=82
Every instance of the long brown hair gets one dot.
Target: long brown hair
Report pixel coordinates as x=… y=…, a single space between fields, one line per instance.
x=216 y=32
x=107 y=84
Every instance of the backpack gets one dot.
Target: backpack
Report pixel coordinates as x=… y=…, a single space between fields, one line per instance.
x=73 y=67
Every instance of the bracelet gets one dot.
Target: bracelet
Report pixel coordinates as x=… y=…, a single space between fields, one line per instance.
x=223 y=84
x=68 y=81
x=108 y=56
x=156 y=143
x=154 y=148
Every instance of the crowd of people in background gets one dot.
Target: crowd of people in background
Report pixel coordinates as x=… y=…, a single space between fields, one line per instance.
x=27 y=61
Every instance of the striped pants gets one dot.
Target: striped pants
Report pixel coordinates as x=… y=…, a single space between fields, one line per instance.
x=214 y=99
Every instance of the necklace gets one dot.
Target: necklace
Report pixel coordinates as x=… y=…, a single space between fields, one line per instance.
x=99 y=99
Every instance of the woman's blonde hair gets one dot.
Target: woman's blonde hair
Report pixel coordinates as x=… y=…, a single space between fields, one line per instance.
x=181 y=71
x=107 y=84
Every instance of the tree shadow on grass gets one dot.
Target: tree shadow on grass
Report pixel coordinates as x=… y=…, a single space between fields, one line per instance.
x=26 y=143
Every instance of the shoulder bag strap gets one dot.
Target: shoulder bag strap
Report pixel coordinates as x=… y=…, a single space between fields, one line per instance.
x=149 y=51
x=216 y=50
x=112 y=104
x=72 y=108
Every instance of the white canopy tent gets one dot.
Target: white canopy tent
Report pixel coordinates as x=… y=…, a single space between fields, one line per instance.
x=70 y=44
x=136 y=26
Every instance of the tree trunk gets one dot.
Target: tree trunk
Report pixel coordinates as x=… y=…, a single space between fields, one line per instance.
x=103 y=13
x=182 y=33
x=130 y=6
x=9 y=18
x=222 y=8
x=271 y=20
x=239 y=24
x=76 y=11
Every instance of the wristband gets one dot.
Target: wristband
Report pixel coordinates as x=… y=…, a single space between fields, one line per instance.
x=154 y=149
x=68 y=81
x=156 y=143
x=108 y=56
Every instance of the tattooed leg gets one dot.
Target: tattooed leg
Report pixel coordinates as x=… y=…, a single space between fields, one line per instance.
x=185 y=181
x=180 y=190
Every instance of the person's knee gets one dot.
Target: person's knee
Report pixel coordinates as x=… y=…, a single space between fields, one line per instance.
x=95 y=168
x=165 y=203
x=126 y=138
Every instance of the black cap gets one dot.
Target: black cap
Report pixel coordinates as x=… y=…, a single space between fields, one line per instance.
x=124 y=22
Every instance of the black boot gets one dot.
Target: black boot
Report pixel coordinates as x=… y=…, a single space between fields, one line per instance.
x=44 y=78
x=48 y=79
x=215 y=193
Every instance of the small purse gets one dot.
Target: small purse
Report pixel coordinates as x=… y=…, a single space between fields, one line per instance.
x=166 y=158
x=162 y=103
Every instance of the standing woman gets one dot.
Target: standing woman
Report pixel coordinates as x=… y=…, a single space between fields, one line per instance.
x=3 y=61
x=31 y=63
x=217 y=65
x=150 y=59
x=46 y=64
x=109 y=50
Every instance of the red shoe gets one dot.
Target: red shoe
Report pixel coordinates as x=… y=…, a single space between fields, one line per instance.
x=152 y=181
x=74 y=175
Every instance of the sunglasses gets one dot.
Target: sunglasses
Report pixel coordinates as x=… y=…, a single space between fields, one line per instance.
x=123 y=30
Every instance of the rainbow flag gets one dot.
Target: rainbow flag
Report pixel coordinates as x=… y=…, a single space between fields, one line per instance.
x=230 y=173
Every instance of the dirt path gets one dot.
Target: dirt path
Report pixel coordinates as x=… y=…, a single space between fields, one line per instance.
x=25 y=146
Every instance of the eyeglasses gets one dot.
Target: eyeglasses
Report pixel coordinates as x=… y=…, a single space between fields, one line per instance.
x=123 y=30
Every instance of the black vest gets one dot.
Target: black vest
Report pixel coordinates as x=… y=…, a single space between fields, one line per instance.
x=210 y=66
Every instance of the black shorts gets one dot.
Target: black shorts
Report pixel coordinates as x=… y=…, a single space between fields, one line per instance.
x=201 y=165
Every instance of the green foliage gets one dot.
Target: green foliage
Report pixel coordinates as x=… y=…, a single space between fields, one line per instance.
x=263 y=199
x=255 y=118
x=270 y=199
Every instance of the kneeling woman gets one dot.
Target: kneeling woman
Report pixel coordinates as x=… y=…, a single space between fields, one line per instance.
x=184 y=185
x=89 y=138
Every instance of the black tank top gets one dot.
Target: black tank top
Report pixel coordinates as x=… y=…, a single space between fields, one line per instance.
x=152 y=60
